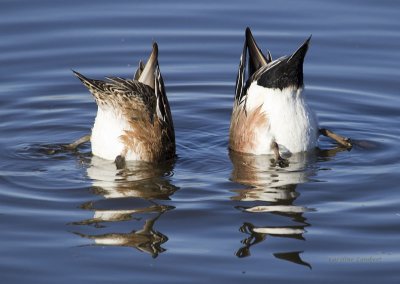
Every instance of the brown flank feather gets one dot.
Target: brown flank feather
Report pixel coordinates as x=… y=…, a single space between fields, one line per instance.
x=244 y=126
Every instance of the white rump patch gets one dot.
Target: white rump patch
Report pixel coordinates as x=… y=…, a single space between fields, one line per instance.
x=292 y=124
x=108 y=127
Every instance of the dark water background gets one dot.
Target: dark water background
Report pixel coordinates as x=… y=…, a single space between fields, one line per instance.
x=332 y=216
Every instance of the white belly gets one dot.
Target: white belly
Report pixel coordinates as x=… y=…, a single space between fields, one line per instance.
x=292 y=124
x=107 y=130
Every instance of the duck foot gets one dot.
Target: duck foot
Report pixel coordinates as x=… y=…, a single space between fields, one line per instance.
x=344 y=141
x=281 y=162
x=77 y=143
x=120 y=162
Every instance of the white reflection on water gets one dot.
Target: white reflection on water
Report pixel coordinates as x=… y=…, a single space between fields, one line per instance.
x=271 y=184
x=140 y=184
x=273 y=190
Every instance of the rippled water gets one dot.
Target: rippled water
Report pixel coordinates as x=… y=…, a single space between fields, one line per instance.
x=211 y=215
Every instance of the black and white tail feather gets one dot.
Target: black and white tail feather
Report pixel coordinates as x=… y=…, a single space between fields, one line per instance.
x=283 y=72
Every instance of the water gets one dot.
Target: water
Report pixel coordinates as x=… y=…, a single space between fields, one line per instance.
x=210 y=215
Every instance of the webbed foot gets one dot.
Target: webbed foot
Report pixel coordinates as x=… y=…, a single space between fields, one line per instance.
x=344 y=141
x=77 y=143
x=281 y=162
x=120 y=162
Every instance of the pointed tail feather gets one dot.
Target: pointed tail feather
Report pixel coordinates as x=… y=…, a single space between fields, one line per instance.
x=147 y=76
x=240 y=78
x=256 y=57
x=89 y=83
x=300 y=53
x=96 y=87
x=285 y=71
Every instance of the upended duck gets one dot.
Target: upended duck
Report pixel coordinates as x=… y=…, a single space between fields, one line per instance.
x=133 y=120
x=270 y=114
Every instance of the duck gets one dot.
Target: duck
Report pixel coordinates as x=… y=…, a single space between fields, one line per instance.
x=133 y=120
x=270 y=115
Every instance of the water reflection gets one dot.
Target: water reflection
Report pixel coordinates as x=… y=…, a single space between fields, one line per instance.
x=130 y=195
x=146 y=239
x=271 y=190
x=293 y=256
x=139 y=180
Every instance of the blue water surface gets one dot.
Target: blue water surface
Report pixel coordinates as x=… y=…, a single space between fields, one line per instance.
x=332 y=216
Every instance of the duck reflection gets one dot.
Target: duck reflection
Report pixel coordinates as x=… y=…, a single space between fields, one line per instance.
x=271 y=190
x=146 y=239
x=140 y=187
x=138 y=180
x=293 y=256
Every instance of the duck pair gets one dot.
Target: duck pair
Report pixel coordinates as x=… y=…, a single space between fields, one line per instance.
x=270 y=115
